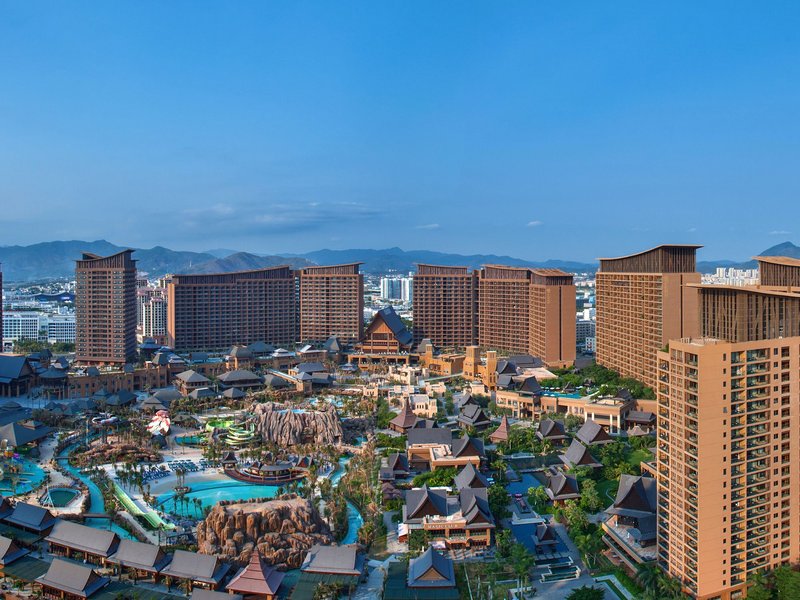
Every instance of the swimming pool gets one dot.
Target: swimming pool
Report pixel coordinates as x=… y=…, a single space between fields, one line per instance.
x=59 y=497
x=28 y=476
x=191 y=440
x=521 y=487
x=211 y=492
x=573 y=395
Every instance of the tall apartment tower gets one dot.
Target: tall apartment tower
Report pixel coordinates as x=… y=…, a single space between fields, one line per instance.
x=216 y=311
x=643 y=301
x=105 y=308
x=504 y=298
x=445 y=306
x=729 y=433
x=331 y=302
x=553 y=334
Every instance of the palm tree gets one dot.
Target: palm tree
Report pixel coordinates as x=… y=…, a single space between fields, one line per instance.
x=648 y=575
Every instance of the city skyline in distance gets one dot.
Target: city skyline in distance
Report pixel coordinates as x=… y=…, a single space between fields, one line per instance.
x=493 y=130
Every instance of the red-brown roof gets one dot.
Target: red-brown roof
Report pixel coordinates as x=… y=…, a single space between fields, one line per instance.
x=256 y=578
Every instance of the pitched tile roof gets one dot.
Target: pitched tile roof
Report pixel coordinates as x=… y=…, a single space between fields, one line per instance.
x=431 y=570
x=72 y=578
x=99 y=542
x=591 y=432
x=257 y=577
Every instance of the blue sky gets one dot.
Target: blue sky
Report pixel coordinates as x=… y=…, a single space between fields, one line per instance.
x=534 y=129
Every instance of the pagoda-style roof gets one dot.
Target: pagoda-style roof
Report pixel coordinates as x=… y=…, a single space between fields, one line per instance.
x=577 y=455
x=551 y=430
x=431 y=570
x=591 y=433
x=257 y=578
x=406 y=419
x=501 y=433
x=562 y=487
x=470 y=477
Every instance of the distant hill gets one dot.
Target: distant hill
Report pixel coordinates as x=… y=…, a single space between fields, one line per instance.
x=243 y=261
x=396 y=259
x=51 y=260
x=782 y=249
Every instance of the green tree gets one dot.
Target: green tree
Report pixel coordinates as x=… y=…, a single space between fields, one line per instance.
x=590 y=498
x=538 y=498
x=586 y=593
x=498 y=501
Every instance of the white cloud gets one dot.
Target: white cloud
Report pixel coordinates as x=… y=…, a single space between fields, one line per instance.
x=780 y=232
x=533 y=223
x=428 y=226
x=692 y=229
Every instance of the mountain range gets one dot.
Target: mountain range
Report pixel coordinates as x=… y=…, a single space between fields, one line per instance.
x=52 y=260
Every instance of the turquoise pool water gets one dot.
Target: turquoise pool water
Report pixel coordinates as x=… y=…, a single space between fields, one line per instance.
x=211 y=492
x=190 y=440
x=30 y=476
x=59 y=497
x=96 y=504
x=561 y=395
x=354 y=523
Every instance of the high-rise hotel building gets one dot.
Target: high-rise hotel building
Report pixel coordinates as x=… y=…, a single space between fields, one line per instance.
x=509 y=309
x=643 y=301
x=217 y=311
x=729 y=436
x=105 y=308
x=445 y=306
x=331 y=302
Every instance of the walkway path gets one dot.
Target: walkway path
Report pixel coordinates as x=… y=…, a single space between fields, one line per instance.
x=393 y=546
x=373 y=587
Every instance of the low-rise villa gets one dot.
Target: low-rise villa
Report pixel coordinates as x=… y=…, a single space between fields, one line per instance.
x=561 y=487
x=464 y=520
x=630 y=530
x=592 y=433
x=577 y=455
x=73 y=539
x=66 y=580
x=431 y=449
x=195 y=570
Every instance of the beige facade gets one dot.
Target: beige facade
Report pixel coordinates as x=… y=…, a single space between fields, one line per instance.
x=643 y=301
x=728 y=424
x=445 y=305
x=331 y=303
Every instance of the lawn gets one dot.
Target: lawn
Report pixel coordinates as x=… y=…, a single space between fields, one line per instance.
x=637 y=456
x=607 y=489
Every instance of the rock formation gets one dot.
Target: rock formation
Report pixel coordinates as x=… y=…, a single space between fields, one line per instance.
x=116 y=451
x=284 y=426
x=283 y=530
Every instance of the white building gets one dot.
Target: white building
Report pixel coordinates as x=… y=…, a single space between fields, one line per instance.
x=154 y=317
x=23 y=325
x=397 y=288
x=61 y=328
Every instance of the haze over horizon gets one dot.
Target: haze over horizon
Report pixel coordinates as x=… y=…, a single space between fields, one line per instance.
x=534 y=131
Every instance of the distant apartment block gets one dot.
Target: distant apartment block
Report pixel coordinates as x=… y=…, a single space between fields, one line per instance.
x=397 y=288
x=105 y=308
x=643 y=301
x=504 y=303
x=445 y=306
x=331 y=303
x=218 y=311
x=510 y=309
